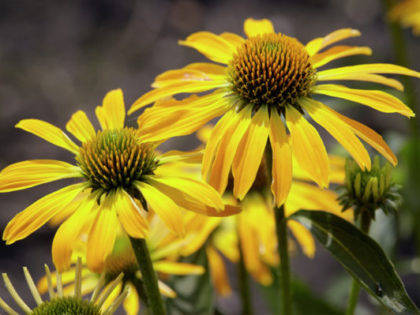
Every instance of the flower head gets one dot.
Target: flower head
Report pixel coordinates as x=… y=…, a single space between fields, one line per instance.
x=121 y=177
x=407 y=12
x=263 y=91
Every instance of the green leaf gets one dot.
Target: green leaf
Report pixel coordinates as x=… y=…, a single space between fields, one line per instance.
x=361 y=256
x=195 y=294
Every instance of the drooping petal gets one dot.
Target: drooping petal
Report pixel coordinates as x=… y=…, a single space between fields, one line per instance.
x=307 y=147
x=337 y=52
x=131 y=303
x=80 y=126
x=343 y=133
x=303 y=237
x=378 y=100
x=319 y=43
x=254 y=27
x=176 y=88
x=68 y=233
x=177 y=268
x=102 y=236
x=233 y=39
x=131 y=217
x=218 y=272
x=111 y=114
x=214 y=47
x=27 y=174
x=227 y=149
x=49 y=133
x=37 y=214
x=250 y=153
x=281 y=159
x=164 y=207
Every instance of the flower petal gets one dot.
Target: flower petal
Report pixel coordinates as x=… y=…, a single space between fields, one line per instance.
x=303 y=237
x=227 y=149
x=27 y=174
x=49 y=133
x=38 y=213
x=308 y=147
x=250 y=153
x=131 y=303
x=102 y=235
x=343 y=133
x=111 y=114
x=378 y=100
x=254 y=27
x=130 y=215
x=319 y=43
x=233 y=39
x=281 y=159
x=177 y=268
x=218 y=272
x=68 y=233
x=338 y=52
x=176 y=88
x=80 y=126
x=164 y=207
x=214 y=47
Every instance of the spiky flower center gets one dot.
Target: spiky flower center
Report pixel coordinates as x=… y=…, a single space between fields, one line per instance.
x=115 y=159
x=123 y=261
x=272 y=70
x=66 y=306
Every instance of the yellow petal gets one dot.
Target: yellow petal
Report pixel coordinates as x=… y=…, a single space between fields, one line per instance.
x=343 y=133
x=257 y=27
x=185 y=74
x=227 y=149
x=176 y=88
x=68 y=233
x=164 y=207
x=49 y=133
x=27 y=174
x=338 y=52
x=378 y=100
x=111 y=114
x=319 y=43
x=281 y=159
x=367 y=77
x=371 y=137
x=372 y=68
x=37 y=214
x=250 y=153
x=131 y=303
x=308 y=147
x=177 y=268
x=101 y=236
x=208 y=68
x=131 y=217
x=214 y=47
x=166 y=290
x=80 y=126
x=218 y=272
x=303 y=237
x=233 y=39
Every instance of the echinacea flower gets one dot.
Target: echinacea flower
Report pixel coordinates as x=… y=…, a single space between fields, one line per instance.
x=70 y=304
x=407 y=12
x=163 y=253
x=120 y=179
x=264 y=87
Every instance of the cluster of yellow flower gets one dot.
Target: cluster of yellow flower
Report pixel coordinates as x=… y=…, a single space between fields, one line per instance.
x=261 y=155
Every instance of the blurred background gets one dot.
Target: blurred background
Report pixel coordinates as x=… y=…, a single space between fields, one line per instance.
x=60 y=56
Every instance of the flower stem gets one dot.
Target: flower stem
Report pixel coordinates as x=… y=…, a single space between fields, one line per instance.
x=243 y=282
x=365 y=221
x=155 y=302
x=281 y=231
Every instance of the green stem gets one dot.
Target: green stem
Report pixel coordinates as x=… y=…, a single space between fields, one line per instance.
x=155 y=302
x=282 y=244
x=365 y=221
x=244 y=287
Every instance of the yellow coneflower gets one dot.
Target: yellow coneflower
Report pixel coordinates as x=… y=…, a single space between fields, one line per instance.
x=120 y=178
x=267 y=83
x=123 y=260
x=69 y=304
x=407 y=12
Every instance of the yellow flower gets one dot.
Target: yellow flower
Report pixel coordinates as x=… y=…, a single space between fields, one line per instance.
x=120 y=178
x=266 y=84
x=407 y=12
x=164 y=249
x=70 y=303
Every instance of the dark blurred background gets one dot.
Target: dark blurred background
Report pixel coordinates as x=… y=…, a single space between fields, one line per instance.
x=60 y=56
